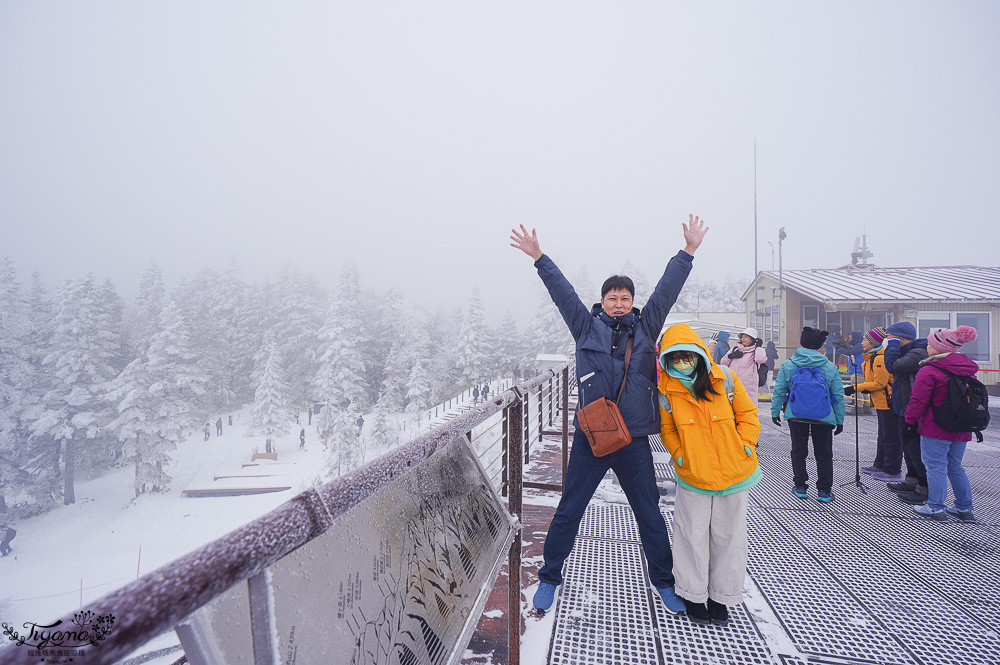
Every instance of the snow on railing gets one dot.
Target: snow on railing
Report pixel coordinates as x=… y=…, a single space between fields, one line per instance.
x=164 y=598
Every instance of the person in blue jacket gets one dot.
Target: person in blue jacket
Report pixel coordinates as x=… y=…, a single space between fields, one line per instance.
x=601 y=333
x=801 y=424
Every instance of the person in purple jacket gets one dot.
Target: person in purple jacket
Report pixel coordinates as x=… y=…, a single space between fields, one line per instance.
x=941 y=450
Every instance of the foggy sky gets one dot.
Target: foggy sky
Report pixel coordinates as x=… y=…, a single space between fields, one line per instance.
x=409 y=137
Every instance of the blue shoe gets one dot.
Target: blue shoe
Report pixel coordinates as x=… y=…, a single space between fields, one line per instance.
x=826 y=496
x=673 y=602
x=960 y=515
x=930 y=513
x=871 y=470
x=544 y=596
x=800 y=492
x=887 y=477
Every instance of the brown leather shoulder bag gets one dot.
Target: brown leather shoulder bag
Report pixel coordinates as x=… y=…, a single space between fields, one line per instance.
x=602 y=422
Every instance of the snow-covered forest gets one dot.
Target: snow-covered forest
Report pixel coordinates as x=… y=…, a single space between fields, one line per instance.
x=89 y=382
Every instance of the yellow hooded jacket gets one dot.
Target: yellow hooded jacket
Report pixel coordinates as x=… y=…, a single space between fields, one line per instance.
x=713 y=442
x=878 y=381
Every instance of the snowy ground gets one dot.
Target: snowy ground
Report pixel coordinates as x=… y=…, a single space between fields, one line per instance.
x=75 y=554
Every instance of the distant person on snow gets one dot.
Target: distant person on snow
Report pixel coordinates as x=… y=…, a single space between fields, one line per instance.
x=718 y=346
x=302 y=438
x=475 y=395
x=810 y=393
x=744 y=359
x=360 y=423
x=208 y=431
x=218 y=427
x=486 y=391
x=603 y=333
x=7 y=532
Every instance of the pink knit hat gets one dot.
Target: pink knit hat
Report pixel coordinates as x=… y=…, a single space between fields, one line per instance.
x=947 y=341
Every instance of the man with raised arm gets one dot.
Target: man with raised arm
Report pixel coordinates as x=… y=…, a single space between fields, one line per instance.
x=601 y=333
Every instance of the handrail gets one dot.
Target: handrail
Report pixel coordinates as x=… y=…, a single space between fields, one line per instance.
x=161 y=599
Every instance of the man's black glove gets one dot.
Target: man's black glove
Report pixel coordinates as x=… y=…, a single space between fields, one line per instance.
x=760 y=342
x=848 y=391
x=910 y=430
x=838 y=430
x=776 y=420
x=735 y=353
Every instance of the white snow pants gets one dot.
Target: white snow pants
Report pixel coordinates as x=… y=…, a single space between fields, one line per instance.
x=710 y=546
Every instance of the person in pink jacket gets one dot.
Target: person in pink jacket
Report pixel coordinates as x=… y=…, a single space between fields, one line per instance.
x=744 y=358
x=941 y=449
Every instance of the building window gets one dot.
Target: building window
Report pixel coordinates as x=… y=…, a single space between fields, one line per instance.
x=810 y=316
x=979 y=350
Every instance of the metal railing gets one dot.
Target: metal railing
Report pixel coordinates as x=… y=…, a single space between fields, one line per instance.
x=160 y=600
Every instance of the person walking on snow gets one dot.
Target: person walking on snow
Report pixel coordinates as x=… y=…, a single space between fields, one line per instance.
x=802 y=423
x=218 y=427
x=602 y=335
x=7 y=533
x=475 y=394
x=745 y=358
x=941 y=449
x=208 y=431
x=302 y=438
x=715 y=465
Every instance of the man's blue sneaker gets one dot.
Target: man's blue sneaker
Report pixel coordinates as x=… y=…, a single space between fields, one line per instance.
x=673 y=602
x=800 y=492
x=826 y=496
x=544 y=596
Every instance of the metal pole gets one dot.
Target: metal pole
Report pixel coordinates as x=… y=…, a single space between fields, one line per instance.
x=504 y=437
x=540 y=397
x=514 y=503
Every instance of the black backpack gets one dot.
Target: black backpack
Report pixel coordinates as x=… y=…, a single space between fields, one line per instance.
x=966 y=407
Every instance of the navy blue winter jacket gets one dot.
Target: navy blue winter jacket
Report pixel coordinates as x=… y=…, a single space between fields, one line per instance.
x=903 y=362
x=600 y=350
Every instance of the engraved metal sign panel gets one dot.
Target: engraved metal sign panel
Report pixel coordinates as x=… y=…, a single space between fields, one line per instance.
x=399 y=579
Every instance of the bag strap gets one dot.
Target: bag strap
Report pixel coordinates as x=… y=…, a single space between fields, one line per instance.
x=628 y=356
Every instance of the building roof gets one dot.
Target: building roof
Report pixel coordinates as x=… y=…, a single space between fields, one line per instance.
x=874 y=284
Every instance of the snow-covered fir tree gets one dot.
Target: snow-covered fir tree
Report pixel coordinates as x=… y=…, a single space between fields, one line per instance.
x=339 y=382
x=271 y=413
x=83 y=348
x=419 y=386
x=297 y=317
x=157 y=394
x=144 y=321
x=473 y=342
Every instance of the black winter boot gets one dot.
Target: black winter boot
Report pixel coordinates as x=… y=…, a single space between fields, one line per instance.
x=697 y=612
x=718 y=613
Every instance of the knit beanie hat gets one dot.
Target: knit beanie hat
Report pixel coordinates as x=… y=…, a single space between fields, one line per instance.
x=812 y=338
x=948 y=341
x=902 y=329
x=875 y=336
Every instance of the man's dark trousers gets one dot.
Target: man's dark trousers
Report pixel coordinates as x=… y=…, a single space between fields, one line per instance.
x=889 y=455
x=916 y=472
x=633 y=465
x=822 y=438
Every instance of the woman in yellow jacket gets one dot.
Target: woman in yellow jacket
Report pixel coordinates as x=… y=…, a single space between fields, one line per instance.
x=710 y=426
x=888 y=464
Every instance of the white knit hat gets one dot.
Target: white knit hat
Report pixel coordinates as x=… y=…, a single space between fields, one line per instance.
x=750 y=331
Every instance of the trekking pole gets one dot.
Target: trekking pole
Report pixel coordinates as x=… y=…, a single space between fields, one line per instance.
x=857 y=452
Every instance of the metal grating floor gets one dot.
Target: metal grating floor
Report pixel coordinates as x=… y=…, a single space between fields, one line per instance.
x=863 y=580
